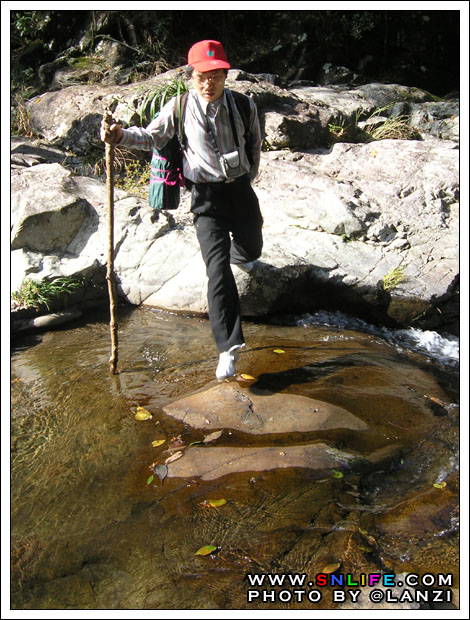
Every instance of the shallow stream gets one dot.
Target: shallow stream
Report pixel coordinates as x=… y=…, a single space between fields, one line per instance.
x=90 y=529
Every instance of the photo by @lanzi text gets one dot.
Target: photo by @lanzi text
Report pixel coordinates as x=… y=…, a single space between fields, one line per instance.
x=344 y=587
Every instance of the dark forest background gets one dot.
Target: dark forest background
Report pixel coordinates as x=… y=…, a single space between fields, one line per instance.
x=414 y=48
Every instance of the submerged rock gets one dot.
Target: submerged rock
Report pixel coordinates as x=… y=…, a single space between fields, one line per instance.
x=47 y=321
x=212 y=462
x=259 y=411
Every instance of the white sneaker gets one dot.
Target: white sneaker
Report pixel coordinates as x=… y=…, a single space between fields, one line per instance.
x=227 y=359
x=246 y=267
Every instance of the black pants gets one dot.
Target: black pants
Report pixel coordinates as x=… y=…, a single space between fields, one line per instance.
x=228 y=225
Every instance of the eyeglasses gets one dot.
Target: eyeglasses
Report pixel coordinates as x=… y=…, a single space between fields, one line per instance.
x=202 y=79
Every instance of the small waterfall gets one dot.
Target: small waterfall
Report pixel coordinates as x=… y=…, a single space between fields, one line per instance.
x=444 y=349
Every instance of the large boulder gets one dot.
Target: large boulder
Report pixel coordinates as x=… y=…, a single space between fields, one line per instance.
x=42 y=224
x=371 y=228
x=365 y=226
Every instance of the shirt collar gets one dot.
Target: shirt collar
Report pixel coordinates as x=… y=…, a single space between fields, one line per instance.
x=204 y=103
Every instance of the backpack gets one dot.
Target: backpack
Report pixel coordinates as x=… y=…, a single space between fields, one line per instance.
x=166 y=168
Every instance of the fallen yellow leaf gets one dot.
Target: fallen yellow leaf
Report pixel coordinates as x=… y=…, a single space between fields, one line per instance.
x=206 y=550
x=279 y=351
x=143 y=414
x=215 y=503
x=158 y=442
x=331 y=568
x=247 y=377
x=440 y=485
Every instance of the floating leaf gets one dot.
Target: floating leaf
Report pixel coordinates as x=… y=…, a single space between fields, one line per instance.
x=174 y=457
x=440 y=485
x=143 y=414
x=207 y=550
x=158 y=442
x=331 y=568
x=161 y=471
x=337 y=474
x=279 y=351
x=215 y=503
x=150 y=479
x=212 y=436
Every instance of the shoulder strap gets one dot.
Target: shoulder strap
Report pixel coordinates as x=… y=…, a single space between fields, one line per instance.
x=179 y=113
x=232 y=123
x=243 y=105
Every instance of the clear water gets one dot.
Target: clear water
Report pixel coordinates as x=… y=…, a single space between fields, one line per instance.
x=444 y=349
x=89 y=532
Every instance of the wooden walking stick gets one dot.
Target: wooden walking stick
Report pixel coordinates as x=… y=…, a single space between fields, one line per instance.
x=113 y=326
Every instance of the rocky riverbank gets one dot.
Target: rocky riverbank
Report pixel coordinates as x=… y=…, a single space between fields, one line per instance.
x=352 y=223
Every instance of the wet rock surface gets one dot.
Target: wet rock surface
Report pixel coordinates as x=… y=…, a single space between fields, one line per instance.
x=255 y=411
x=213 y=463
x=259 y=411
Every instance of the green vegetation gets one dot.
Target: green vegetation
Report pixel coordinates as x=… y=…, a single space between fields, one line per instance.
x=374 y=128
x=156 y=99
x=85 y=63
x=27 y=45
x=392 y=128
x=20 y=119
x=135 y=178
x=337 y=131
x=392 y=279
x=126 y=163
x=35 y=294
x=415 y=46
x=27 y=26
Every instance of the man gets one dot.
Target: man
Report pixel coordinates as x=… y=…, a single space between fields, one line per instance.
x=226 y=211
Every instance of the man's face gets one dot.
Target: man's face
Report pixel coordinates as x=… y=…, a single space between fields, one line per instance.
x=210 y=84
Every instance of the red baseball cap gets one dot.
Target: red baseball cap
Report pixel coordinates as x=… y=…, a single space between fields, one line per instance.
x=207 y=56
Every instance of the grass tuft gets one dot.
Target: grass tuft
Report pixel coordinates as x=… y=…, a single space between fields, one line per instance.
x=155 y=100
x=135 y=178
x=33 y=294
x=392 y=279
x=392 y=128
